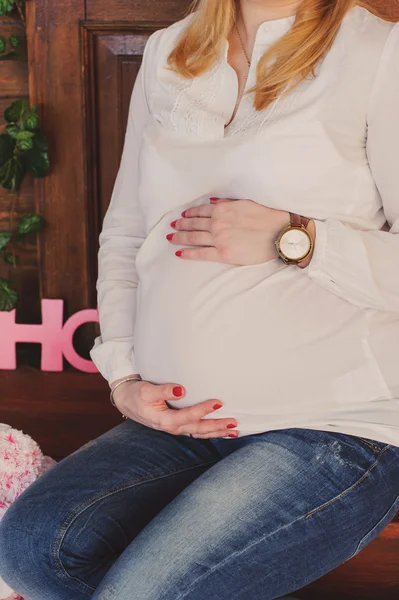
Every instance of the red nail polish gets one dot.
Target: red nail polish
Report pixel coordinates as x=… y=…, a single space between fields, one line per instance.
x=233 y=435
x=173 y=223
x=178 y=391
x=230 y=425
x=170 y=236
x=213 y=199
x=216 y=406
x=183 y=213
x=179 y=252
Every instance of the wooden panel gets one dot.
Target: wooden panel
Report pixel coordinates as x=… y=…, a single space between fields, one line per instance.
x=112 y=57
x=23 y=203
x=25 y=277
x=13 y=85
x=13 y=74
x=136 y=10
x=55 y=85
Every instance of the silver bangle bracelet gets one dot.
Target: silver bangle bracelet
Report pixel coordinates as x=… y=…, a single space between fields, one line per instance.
x=130 y=378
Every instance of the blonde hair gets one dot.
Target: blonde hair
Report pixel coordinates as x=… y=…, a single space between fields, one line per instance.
x=296 y=53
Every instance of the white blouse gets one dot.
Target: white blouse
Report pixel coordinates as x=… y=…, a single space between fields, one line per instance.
x=280 y=346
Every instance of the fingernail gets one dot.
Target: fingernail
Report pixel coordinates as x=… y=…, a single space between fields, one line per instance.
x=170 y=236
x=173 y=223
x=178 y=391
x=179 y=252
x=213 y=199
x=216 y=406
x=231 y=425
x=183 y=213
x=233 y=435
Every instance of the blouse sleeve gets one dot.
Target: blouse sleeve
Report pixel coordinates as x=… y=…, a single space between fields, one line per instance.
x=363 y=266
x=122 y=234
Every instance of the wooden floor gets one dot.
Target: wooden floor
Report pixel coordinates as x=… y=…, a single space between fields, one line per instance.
x=61 y=422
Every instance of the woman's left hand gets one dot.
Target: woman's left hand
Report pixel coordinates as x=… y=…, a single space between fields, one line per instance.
x=236 y=232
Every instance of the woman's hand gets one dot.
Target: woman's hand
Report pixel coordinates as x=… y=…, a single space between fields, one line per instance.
x=237 y=232
x=145 y=403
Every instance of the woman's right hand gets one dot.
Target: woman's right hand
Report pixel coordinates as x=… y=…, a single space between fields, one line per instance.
x=145 y=403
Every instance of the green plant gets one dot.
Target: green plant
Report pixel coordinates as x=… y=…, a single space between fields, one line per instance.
x=7 y=6
x=12 y=48
x=23 y=150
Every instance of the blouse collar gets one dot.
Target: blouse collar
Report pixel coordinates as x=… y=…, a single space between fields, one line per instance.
x=267 y=29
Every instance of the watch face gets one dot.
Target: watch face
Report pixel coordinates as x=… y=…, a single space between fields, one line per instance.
x=294 y=244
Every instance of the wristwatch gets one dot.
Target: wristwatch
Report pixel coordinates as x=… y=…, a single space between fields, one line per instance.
x=294 y=243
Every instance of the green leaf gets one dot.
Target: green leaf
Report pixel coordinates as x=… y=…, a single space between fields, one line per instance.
x=19 y=134
x=3 y=43
x=8 y=296
x=31 y=223
x=6 y=148
x=12 y=173
x=11 y=259
x=15 y=41
x=24 y=135
x=13 y=113
x=31 y=120
x=6 y=6
x=24 y=145
x=37 y=159
x=5 y=237
x=12 y=130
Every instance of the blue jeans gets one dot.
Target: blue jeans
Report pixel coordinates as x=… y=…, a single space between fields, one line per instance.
x=140 y=514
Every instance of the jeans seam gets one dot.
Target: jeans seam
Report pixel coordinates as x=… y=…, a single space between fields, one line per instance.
x=369 y=444
x=62 y=531
x=351 y=487
x=181 y=597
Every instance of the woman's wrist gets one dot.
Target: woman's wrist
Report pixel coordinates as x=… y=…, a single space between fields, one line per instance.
x=119 y=383
x=114 y=383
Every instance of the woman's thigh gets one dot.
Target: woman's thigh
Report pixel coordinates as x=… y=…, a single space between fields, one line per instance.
x=63 y=533
x=279 y=510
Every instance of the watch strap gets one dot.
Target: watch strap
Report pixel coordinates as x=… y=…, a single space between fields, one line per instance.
x=298 y=220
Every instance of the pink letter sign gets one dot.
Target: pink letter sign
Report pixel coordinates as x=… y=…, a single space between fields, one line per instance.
x=55 y=338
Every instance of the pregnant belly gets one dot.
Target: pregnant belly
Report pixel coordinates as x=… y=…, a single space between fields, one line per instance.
x=264 y=339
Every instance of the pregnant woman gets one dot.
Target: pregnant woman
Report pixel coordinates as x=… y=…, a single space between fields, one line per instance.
x=249 y=310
